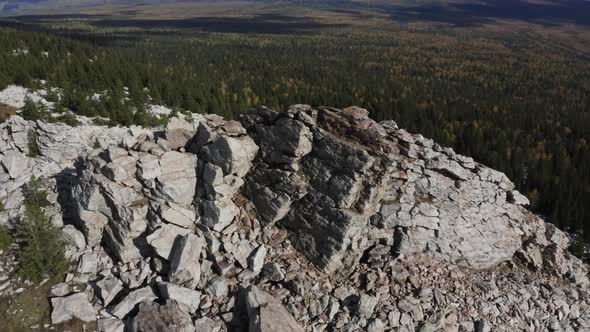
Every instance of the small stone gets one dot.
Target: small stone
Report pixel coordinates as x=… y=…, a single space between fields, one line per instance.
x=185 y=268
x=376 y=325
x=256 y=260
x=61 y=289
x=266 y=314
x=427 y=327
x=206 y=324
x=273 y=272
x=217 y=287
x=366 y=305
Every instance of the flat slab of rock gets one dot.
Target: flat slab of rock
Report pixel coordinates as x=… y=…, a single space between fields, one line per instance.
x=61 y=289
x=75 y=306
x=132 y=299
x=163 y=238
x=185 y=296
x=15 y=163
x=185 y=268
x=109 y=287
x=110 y=325
x=179 y=175
x=178 y=215
x=266 y=314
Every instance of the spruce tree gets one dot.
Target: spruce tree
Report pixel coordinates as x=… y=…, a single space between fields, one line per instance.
x=41 y=253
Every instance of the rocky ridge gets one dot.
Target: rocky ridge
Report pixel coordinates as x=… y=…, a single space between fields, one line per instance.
x=310 y=219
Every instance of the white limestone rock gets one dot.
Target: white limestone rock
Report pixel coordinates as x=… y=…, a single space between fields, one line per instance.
x=185 y=268
x=234 y=155
x=109 y=287
x=178 y=179
x=266 y=314
x=73 y=236
x=178 y=215
x=182 y=295
x=163 y=238
x=131 y=300
x=110 y=325
x=75 y=306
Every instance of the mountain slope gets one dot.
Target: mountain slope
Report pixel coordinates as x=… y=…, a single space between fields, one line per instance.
x=313 y=218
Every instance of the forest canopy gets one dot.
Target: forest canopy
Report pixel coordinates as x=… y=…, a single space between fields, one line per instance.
x=499 y=99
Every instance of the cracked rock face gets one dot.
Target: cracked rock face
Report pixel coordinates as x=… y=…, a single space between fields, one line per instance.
x=342 y=183
x=312 y=219
x=325 y=178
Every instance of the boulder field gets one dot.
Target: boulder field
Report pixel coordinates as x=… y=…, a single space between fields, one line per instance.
x=312 y=219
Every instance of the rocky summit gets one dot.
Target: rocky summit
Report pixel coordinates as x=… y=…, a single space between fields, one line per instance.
x=311 y=219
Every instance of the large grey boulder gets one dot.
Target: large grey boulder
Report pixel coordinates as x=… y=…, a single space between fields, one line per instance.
x=75 y=306
x=217 y=215
x=120 y=168
x=178 y=215
x=179 y=132
x=185 y=268
x=148 y=168
x=273 y=190
x=233 y=154
x=108 y=288
x=266 y=314
x=182 y=295
x=92 y=224
x=162 y=239
x=73 y=236
x=328 y=185
x=162 y=318
x=121 y=233
x=217 y=186
x=15 y=163
x=177 y=181
x=131 y=300
x=285 y=141
x=111 y=212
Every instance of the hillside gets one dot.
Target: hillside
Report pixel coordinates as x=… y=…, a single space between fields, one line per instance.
x=512 y=94
x=143 y=187
x=310 y=219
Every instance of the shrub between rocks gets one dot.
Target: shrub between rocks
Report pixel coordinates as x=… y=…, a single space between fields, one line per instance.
x=41 y=251
x=34 y=111
x=6 y=237
x=33 y=146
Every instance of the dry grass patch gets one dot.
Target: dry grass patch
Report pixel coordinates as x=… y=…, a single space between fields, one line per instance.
x=6 y=111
